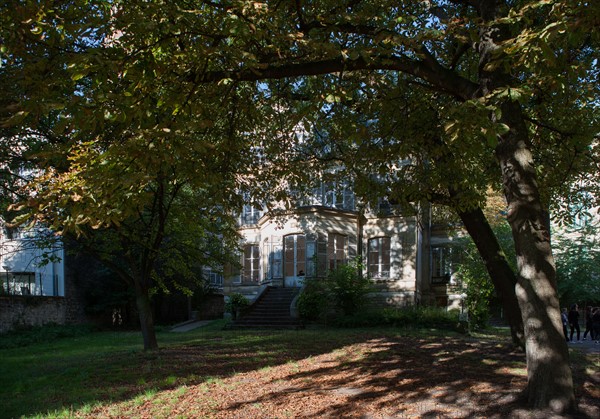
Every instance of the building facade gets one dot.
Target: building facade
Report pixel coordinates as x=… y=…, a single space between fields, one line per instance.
x=28 y=267
x=406 y=264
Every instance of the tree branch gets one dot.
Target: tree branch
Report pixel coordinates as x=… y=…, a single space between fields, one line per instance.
x=429 y=70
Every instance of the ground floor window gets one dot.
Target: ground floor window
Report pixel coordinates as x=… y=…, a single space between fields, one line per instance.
x=304 y=255
x=294 y=250
x=274 y=259
x=251 y=263
x=379 y=257
x=441 y=264
x=336 y=250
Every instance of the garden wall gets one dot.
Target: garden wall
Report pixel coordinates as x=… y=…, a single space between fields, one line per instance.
x=29 y=311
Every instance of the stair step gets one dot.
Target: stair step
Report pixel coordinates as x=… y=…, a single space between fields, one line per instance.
x=271 y=311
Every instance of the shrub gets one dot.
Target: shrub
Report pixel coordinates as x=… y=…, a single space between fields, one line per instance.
x=348 y=287
x=313 y=303
x=236 y=303
x=342 y=291
x=406 y=317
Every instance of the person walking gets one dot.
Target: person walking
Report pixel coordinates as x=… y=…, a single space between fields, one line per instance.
x=574 y=321
x=596 y=323
x=565 y=322
x=588 y=323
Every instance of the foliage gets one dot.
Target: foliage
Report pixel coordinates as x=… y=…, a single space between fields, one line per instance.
x=236 y=302
x=578 y=265
x=343 y=290
x=407 y=317
x=314 y=301
x=348 y=287
x=434 y=101
x=474 y=275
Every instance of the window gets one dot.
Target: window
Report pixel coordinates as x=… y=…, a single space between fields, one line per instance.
x=274 y=262
x=388 y=206
x=13 y=233
x=441 y=264
x=379 y=257
x=214 y=279
x=251 y=263
x=338 y=195
x=336 y=250
x=250 y=215
x=294 y=249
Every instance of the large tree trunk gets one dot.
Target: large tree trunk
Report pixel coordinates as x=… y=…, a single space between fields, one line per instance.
x=549 y=379
x=500 y=272
x=142 y=300
x=550 y=383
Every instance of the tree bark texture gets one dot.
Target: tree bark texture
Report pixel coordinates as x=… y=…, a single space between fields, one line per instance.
x=144 y=307
x=550 y=383
x=549 y=378
x=500 y=272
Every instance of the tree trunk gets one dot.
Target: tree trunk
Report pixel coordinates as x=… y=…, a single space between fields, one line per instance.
x=500 y=272
x=550 y=383
x=142 y=300
x=549 y=379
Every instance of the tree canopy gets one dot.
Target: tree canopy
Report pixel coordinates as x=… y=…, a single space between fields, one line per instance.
x=471 y=93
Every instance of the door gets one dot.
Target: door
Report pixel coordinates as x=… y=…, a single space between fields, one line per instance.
x=294 y=249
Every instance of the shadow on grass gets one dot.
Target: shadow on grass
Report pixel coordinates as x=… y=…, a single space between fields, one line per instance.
x=382 y=371
x=77 y=372
x=425 y=378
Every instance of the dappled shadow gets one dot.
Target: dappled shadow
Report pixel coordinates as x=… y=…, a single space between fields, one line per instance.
x=408 y=377
x=311 y=373
x=123 y=375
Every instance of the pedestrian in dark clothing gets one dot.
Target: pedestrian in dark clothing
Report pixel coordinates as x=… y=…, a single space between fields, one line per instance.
x=565 y=322
x=596 y=323
x=574 y=321
x=588 y=323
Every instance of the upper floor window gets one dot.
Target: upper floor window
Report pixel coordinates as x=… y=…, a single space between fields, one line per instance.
x=334 y=194
x=379 y=257
x=250 y=215
x=214 y=278
x=386 y=206
x=13 y=233
x=338 y=195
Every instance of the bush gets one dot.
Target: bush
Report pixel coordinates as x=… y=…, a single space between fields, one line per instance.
x=236 y=303
x=407 y=317
x=342 y=291
x=313 y=303
x=348 y=287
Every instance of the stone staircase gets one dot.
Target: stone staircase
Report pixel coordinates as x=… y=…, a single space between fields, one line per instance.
x=270 y=311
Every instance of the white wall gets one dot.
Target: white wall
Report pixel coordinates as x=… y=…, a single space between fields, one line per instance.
x=21 y=255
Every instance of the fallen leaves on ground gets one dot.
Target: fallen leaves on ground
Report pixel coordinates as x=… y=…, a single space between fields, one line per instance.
x=376 y=377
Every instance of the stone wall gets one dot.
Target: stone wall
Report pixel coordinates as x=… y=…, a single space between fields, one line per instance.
x=30 y=311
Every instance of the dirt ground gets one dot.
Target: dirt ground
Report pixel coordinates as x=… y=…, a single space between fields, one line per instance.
x=382 y=377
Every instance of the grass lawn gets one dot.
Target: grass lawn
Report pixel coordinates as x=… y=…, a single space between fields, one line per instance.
x=210 y=372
